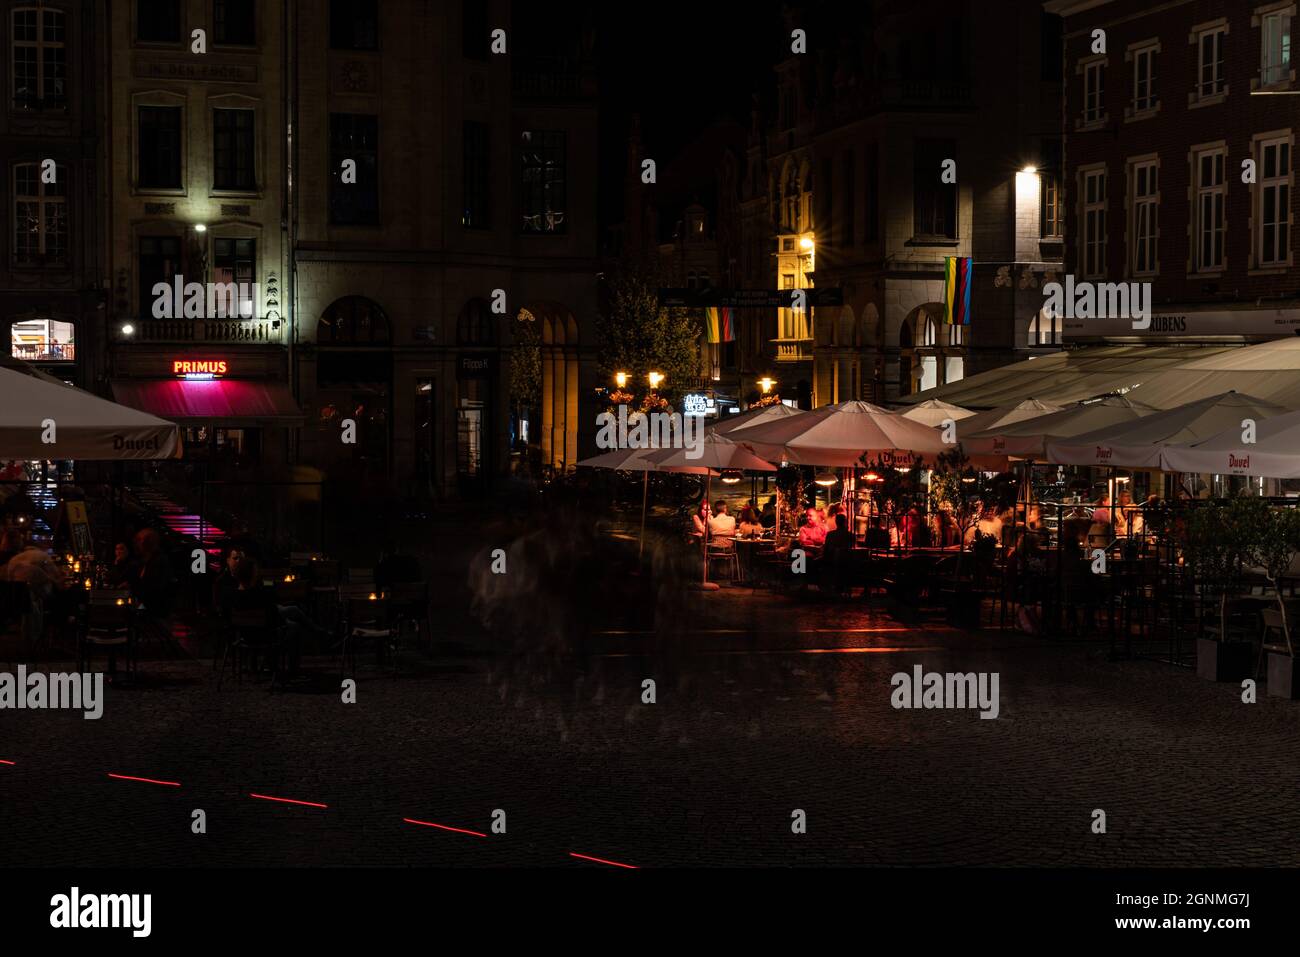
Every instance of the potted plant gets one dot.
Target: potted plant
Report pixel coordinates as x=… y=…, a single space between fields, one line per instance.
x=1217 y=543
x=1275 y=543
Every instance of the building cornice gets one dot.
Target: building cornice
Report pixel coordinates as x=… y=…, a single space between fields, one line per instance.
x=1068 y=8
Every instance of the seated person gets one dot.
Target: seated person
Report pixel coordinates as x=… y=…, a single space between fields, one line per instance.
x=11 y=543
x=812 y=533
x=700 y=520
x=153 y=584
x=768 y=517
x=722 y=524
x=877 y=535
x=839 y=539
x=123 y=569
x=749 y=523
x=227 y=584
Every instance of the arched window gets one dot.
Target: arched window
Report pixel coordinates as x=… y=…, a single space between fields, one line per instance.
x=475 y=325
x=353 y=320
x=40 y=215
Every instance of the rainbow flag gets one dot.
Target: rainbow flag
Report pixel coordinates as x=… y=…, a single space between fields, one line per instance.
x=720 y=324
x=958 y=274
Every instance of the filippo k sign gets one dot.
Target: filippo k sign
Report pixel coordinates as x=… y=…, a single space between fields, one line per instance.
x=199 y=368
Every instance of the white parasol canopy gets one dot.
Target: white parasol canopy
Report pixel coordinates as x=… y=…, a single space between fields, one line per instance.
x=1028 y=438
x=935 y=412
x=713 y=452
x=80 y=424
x=1138 y=444
x=839 y=436
x=752 y=417
x=1275 y=453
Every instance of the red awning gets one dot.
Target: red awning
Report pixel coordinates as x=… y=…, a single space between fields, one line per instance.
x=231 y=402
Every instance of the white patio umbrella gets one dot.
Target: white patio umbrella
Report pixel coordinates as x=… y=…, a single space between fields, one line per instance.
x=1028 y=438
x=634 y=460
x=1004 y=415
x=716 y=452
x=1137 y=444
x=1275 y=453
x=839 y=435
x=752 y=417
x=935 y=412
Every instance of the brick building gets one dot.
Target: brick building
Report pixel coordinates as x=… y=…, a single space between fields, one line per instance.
x=1161 y=128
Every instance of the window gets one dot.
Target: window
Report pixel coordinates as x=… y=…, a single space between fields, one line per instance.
x=159 y=151
x=934 y=201
x=1093 y=245
x=355 y=137
x=873 y=194
x=1144 y=79
x=234 y=261
x=159 y=261
x=543 y=170
x=40 y=216
x=1094 y=91
x=1052 y=204
x=1274 y=202
x=1211 y=194
x=1211 y=80
x=40 y=59
x=1275 y=57
x=1145 y=207
x=158 y=21
x=850 y=202
x=43 y=340
x=234 y=22
x=354 y=24
x=232 y=150
x=474 y=24
x=477 y=157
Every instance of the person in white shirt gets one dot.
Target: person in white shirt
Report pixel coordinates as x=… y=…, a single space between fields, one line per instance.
x=722 y=524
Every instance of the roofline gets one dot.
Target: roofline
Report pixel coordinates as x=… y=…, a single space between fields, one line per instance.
x=1068 y=8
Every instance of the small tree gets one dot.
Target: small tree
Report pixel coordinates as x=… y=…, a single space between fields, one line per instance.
x=636 y=335
x=1271 y=537
x=897 y=487
x=952 y=485
x=1218 y=545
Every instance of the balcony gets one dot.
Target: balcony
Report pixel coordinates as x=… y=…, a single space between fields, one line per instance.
x=223 y=331
x=794 y=350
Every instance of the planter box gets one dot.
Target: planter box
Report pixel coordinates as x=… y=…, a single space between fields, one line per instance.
x=1282 y=675
x=1224 y=660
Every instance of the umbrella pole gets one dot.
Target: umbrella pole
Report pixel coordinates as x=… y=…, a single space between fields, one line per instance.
x=645 y=496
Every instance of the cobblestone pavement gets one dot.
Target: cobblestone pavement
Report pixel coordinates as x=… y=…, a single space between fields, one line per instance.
x=767 y=706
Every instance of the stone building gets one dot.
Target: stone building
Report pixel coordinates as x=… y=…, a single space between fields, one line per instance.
x=845 y=189
x=471 y=223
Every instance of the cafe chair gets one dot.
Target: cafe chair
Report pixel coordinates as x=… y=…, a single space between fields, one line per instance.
x=107 y=625
x=410 y=604
x=723 y=552
x=367 y=622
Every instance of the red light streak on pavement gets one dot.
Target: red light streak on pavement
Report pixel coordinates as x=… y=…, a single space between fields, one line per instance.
x=598 y=860
x=267 y=797
x=8 y=762
x=127 y=777
x=443 y=827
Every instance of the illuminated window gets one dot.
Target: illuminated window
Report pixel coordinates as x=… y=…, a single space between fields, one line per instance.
x=43 y=340
x=1275 y=55
x=40 y=216
x=40 y=59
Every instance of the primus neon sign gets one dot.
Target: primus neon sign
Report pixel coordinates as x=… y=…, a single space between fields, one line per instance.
x=199 y=368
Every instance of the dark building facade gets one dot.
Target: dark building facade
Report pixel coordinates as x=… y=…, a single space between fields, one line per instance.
x=51 y=263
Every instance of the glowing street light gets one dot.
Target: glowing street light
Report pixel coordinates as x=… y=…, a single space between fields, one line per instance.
x=200 y=228
x=766 y=384
x=656 y=378
x=806 y=243
x=620 y=379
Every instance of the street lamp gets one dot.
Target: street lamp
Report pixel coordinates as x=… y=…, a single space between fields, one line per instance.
x=200 y=228
x=620 y=379
x=767 y=382
x=656 y=378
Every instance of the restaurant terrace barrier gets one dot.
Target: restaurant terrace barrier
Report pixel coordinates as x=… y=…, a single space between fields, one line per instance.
x=225 y=331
